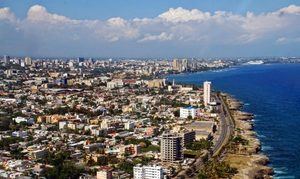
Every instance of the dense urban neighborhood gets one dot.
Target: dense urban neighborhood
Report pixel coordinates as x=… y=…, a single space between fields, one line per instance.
x=104 y=119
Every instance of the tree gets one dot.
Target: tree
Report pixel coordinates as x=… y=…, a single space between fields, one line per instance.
x=199 y=145
x=66 y=170
x=176 y=113
x=127 y=167
x=217 y=169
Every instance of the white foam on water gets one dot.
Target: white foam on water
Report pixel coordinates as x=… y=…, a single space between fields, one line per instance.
x=266 y=148
x=261 y=136
x=280 y=173
x=280 y=170
x=285 y=177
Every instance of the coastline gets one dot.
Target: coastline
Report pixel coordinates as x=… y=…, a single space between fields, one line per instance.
x=244 y=150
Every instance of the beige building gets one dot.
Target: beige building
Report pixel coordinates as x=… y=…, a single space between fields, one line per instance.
x=105 y=173
x=156 y=83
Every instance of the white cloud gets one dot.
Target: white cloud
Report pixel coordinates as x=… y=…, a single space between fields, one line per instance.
x=6 y=14
x=39 y=13
x=183 y=15
x=117 y=21
x=291 y=9
x=285 y=40
x=161 y=37
x=188 y=27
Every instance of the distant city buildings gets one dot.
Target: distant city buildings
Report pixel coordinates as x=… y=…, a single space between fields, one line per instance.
x=206 y=92
x=180 y=65
x=28 y=61
x=157 y=83
x=6 y=59
x=103 y=112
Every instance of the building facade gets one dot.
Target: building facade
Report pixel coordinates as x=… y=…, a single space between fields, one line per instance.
x=206 y=92
x=171 y=147
x=186 y=112
x=148 y=172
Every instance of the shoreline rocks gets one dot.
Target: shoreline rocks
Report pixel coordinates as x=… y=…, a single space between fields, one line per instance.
x=248 y=159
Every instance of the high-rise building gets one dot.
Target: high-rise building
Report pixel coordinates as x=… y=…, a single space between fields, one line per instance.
x=176 y=65
x=71 y=64
x=171 y=147
x=148 y=172
x=184 y=65
x=6 y=59
x=187 y=137
x=206 y=92
x=80 y=59
x=180 y=65
x=28 y=61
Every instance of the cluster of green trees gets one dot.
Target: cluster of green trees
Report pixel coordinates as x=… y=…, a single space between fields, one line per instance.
x=239 y=140
x=67 y=109
x=63 y=167
x=145 y=142
x=4 y=123
x=156 y=121
x=199 y=145
x=153 y=148
x=5 y=142
x=217 y=169
x=127 y=165
x=104 y=70
x=67 y=169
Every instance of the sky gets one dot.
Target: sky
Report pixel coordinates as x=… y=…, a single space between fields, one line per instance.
x=150 y=28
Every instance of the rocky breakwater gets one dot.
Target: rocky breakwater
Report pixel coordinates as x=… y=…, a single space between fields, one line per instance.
x=243 y=150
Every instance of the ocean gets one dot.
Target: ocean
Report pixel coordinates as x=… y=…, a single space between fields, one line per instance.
x=272 y=93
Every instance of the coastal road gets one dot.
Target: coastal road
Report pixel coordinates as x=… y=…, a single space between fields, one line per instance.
x=226 y=125
x=227 y=128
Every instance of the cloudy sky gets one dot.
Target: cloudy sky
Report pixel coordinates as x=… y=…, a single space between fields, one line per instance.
x=150 y=28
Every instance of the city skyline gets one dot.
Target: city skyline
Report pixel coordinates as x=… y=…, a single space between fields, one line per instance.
x=174 y=29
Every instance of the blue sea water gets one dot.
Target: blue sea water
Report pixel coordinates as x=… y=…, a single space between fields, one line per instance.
x=272 y=93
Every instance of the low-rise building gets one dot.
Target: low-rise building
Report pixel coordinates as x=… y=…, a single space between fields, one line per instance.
x=148 y=172
x=189 y=111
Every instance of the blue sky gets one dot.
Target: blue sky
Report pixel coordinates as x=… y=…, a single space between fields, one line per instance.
x=103 y=9
x=150 y=28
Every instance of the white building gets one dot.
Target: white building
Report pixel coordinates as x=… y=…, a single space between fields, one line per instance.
x=206 y=92
x=148 y=172
x=18 y=119
x=186 y=112
x=62 y=124
x=22 y=134
x=129 y=125
x=114 y=84
x=28 y=61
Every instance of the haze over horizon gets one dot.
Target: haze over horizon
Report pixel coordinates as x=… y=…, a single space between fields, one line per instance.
x=150 y=29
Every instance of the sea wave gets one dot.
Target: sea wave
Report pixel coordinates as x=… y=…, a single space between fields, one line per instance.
x=261 y=136
x=266 y=148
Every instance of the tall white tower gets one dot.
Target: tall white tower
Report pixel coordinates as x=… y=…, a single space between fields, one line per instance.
x=206 y=91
